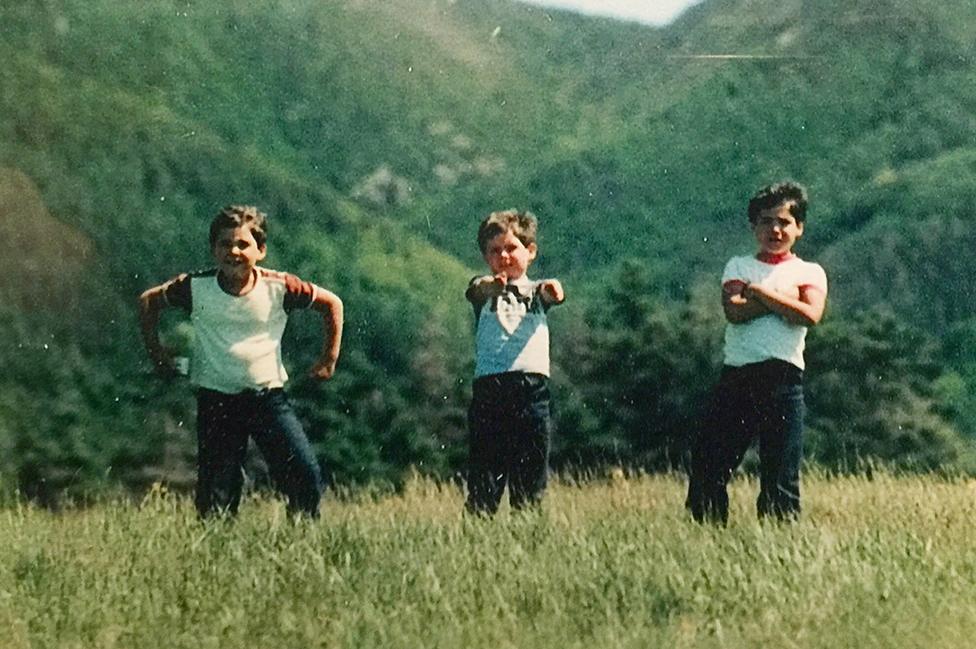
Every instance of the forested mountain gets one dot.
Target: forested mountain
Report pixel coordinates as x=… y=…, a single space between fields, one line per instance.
x=378 y=133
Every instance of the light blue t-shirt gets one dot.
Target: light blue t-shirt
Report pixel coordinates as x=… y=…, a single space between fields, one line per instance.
x=511 y=331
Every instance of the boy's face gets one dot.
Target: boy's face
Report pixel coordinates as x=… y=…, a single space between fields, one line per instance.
x=776 y=230
x=506 y=254
x=237 y=253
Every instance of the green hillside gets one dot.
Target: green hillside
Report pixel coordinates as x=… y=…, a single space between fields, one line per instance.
x=843 y=96
x=377 y=134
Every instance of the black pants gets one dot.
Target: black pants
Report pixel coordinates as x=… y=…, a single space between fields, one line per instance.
x=763 y=400
x=224 y=424
x=509 y=426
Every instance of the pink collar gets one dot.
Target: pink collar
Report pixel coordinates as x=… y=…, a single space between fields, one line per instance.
x=774 y=259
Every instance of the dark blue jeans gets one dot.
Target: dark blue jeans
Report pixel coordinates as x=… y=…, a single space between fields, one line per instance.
x=225 y=422
x=509 y=428
x=763 y=400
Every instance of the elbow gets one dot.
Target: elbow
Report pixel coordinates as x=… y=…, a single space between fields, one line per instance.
x=814 y=316
x=145 y=302
x=334 y=308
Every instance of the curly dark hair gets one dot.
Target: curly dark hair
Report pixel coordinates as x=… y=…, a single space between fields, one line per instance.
x=521 y=223
x=234 y=216
x=772 y=195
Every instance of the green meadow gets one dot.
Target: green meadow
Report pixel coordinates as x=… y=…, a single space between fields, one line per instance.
x=887 y=561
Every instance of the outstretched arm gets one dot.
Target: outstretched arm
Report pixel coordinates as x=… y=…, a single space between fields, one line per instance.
x=551 y=291
x=151 y=305
x=330 y=306
x=806 y=309
x=482 y=289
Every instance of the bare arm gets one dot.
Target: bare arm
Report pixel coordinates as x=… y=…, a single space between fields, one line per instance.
x=551 y=291
x=151 y=305
x=482 y=289
x=330 y=306
x=737 y=306
x=806 y=309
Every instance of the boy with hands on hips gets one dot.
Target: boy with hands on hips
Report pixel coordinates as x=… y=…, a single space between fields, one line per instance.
x=238 y=311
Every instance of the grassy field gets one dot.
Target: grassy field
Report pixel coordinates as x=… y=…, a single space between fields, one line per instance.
x=888 y=562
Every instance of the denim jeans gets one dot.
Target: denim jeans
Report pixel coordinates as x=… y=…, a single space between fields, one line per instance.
x=225 y=422
x=763 y=400
x=509 y=428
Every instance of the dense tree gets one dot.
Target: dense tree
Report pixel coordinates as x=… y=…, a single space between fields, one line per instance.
x=872 y=394
x=641 y=372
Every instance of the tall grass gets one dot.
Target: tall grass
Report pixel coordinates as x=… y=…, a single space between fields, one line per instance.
x=887 y=562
